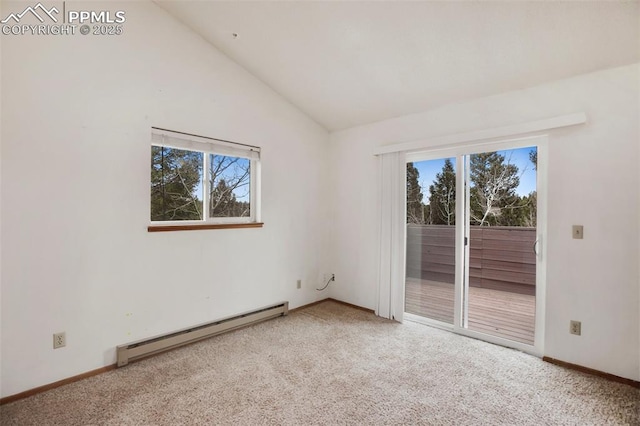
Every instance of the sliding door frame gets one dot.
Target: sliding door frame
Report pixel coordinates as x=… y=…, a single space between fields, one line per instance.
x=460 y=153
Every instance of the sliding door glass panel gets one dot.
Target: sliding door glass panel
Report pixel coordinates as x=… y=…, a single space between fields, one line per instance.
x=502 y=210
x=430 y=255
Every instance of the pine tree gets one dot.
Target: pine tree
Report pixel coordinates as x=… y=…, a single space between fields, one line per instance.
x=415 y=207
x=531 y=213
x=175 y=175
x=222 y=200
x=442 y=196
x=514 y=213
x=533 y=157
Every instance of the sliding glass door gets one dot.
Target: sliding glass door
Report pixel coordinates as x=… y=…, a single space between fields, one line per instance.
x=430 y=255
x=473 y=242
x=501 y=221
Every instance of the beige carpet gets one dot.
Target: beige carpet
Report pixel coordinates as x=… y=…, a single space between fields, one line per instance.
x=330 y=364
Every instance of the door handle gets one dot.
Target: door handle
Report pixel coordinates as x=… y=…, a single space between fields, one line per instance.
x=535 y=248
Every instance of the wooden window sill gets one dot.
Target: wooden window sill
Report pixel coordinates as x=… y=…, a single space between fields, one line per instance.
x=167 y=228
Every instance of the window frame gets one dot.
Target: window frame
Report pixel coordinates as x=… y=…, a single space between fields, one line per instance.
x=207 y=146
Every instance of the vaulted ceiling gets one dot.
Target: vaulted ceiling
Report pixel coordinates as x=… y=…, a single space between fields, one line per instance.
x=348 y=63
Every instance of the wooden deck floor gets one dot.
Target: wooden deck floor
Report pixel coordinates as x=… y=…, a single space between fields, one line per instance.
x=499 y=313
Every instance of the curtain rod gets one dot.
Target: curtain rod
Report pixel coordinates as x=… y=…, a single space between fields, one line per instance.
x=205 y=137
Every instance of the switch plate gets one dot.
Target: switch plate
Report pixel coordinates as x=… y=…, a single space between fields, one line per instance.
x=578 y=232
x=299 y=284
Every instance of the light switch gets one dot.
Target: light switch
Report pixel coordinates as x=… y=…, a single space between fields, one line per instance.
x=578 y=232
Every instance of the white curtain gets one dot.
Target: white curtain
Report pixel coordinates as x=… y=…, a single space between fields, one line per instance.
x=392 y=203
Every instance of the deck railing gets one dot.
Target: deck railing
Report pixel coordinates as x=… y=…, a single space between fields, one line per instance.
x=500 y=258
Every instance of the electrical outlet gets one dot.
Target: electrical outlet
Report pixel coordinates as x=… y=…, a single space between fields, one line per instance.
x=299 y=284
x=59 y=340
x=575 y=327
x=578 y=232
x=329 y=278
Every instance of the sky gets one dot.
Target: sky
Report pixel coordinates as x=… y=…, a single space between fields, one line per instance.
x=242 y=193
x=519 y=157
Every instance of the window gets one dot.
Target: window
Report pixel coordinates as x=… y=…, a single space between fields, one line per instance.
x=199 y=182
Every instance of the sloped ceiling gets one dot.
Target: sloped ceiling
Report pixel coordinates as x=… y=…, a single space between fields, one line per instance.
x=349 y=63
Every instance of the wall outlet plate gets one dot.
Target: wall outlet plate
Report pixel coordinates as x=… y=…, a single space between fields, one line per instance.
x=575 y=327
x=329 y=277
x=59 y=340
x=578 y=232
x=299 y=284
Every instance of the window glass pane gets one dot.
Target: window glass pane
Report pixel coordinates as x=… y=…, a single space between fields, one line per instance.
x=502 y=230
x=176 y=184
x=229 y=179
x=431 y=247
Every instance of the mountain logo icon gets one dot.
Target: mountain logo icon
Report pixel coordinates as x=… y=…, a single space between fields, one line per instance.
x=38 y=11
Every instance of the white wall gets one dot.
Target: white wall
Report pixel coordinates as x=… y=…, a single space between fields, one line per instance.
x=593 y=179
x=76 y=253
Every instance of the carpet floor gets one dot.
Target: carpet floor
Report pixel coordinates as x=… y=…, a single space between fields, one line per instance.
x=331 y=364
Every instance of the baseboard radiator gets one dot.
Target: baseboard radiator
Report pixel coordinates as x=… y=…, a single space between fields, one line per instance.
x=143 y=348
